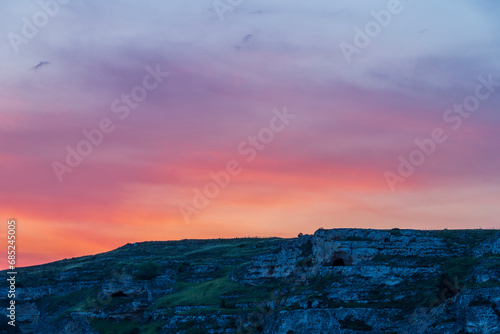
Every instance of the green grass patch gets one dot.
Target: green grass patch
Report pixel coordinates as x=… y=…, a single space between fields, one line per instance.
x=219 y=293
x=229 y=249
x=468 y=238
x=206 y=293
x=70 y=301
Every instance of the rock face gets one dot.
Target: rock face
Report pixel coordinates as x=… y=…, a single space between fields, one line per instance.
x=335 y=281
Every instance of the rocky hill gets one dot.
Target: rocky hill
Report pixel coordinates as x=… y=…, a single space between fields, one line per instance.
x=335 y=281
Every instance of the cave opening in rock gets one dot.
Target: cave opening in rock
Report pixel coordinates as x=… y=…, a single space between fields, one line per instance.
x=118 y=294
x=339 y=263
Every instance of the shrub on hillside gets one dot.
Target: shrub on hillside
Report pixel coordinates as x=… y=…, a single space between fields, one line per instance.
x=146 y=271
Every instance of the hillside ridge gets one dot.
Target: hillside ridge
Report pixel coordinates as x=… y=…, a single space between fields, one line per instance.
x=333 y=281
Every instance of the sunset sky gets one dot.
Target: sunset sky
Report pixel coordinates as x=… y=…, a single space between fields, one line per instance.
x=328 y=125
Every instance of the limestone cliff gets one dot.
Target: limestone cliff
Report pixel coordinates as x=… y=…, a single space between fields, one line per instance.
x=335 y=281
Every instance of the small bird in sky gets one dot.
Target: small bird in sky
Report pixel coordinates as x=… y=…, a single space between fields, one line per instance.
x=40 y=65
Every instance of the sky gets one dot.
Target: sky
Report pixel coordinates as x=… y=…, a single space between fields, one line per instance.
x=126 y=121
